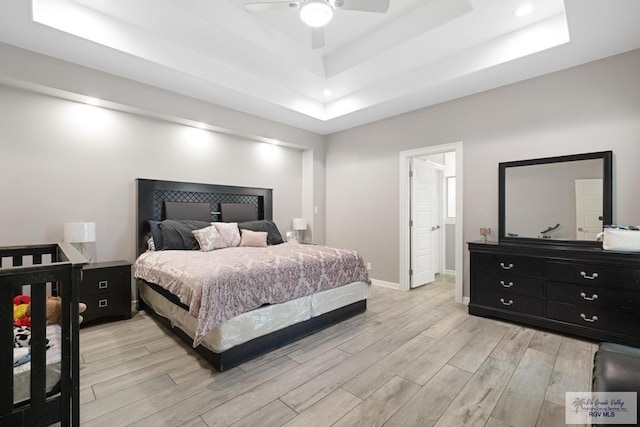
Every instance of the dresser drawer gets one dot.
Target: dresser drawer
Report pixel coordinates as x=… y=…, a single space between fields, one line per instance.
x=588 y=296
x=628 y=278
x=512 y=265
x=587 y=274
x=519 y=285
x=103 y=305
x=103 y=280
x=512 y=302
x=612 y=321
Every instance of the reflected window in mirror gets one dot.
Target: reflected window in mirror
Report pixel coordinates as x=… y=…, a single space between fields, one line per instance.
x=451 y=197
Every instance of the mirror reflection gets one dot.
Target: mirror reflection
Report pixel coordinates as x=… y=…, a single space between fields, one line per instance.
x=560 y=201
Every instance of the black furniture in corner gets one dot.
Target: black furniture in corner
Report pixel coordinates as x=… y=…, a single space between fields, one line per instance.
x=106 y=290
x=584 y=291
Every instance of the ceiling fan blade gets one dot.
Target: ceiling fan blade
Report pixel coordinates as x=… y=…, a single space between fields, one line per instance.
x=317 y=37
x=263 y=6
x=378 y=6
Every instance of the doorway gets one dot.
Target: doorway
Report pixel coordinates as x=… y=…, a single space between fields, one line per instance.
x=446 y=187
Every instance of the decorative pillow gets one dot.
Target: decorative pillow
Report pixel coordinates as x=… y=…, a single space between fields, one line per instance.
x=273 y=234
x=209 y=238
x=229 y=231
x=177 y=234
x=256 y=239
x=156 y=233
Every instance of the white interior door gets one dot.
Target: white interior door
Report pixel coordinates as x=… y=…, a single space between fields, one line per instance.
x=588 y=208
x=424 y=221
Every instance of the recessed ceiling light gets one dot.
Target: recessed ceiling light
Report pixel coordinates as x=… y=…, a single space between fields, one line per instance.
x=327 y=92
x=523 y=10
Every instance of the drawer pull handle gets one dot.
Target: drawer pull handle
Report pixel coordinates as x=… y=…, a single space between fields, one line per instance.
x=592 y=298
x=506 y=285
x=506 y=303
x=102 y=303
x=103 y=284
x=593 y=276
x=584 y=317
x=506 y=267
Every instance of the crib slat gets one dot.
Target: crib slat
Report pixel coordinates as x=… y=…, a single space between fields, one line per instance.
x=6 y=348
x=37 y=259
x=38 y=346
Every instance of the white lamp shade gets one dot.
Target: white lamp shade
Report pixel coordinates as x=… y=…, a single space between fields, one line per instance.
x=316 y=13
x=299 y=224
x=79 y=232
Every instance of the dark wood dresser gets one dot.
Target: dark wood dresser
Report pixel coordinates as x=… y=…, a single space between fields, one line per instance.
x=584 y=291
x=106 y=290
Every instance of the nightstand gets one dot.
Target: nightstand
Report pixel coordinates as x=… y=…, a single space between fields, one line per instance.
x=106 y=290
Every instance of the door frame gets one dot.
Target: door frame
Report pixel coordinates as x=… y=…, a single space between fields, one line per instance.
x=404 y=205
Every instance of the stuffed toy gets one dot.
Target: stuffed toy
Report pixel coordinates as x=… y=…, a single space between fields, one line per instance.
x=20 y=308
x=54 y=310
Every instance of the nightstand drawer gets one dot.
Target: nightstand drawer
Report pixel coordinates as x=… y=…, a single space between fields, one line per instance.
x=106 y=290
x=103 y=280
x=103 y=305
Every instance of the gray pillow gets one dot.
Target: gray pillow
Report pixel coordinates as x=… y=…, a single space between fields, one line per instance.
x=156 y=233
x=177 y=234
x=273 y=234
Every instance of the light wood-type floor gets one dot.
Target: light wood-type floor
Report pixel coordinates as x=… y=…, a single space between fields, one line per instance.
x=413 y=359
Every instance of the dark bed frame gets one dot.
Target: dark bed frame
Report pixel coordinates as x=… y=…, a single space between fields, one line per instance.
x=151 y=195
x=59 y=265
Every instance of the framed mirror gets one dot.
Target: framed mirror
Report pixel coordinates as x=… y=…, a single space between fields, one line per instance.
x=564 y=199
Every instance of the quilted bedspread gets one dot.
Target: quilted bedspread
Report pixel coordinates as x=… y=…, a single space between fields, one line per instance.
x=224 y=283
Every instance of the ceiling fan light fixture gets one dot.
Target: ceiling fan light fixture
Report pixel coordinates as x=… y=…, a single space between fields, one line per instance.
x=316 y=13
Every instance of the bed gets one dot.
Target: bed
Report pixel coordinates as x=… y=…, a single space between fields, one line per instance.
x=45 y=389
x=252 y=315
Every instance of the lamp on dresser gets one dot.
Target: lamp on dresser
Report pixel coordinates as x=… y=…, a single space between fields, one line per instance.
x=80 y=232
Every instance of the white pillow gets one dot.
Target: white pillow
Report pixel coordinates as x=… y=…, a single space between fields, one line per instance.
x=229 y=232
x=256 y=239
x=209 y=239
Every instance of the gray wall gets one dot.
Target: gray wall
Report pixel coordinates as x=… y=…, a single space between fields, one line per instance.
x=66 y=161
x=593 y=107
x=150 y=132
x=450 y=247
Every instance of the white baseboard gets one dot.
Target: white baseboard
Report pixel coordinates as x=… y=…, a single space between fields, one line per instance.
x=450 y=272
x=465 y=300
x=385 y=284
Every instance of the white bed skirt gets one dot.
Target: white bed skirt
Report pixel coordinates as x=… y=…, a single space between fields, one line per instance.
x=258 y=322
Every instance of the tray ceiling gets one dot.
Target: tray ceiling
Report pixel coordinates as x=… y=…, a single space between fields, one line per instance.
x=421 y=52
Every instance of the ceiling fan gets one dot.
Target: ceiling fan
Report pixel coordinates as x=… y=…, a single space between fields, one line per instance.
x=317 y=13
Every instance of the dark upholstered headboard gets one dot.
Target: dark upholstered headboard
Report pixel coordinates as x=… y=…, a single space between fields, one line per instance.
x=151 y=195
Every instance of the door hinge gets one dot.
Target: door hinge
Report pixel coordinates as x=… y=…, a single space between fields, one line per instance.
x=410 y=174
x=410 y=272
x=410 y=223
